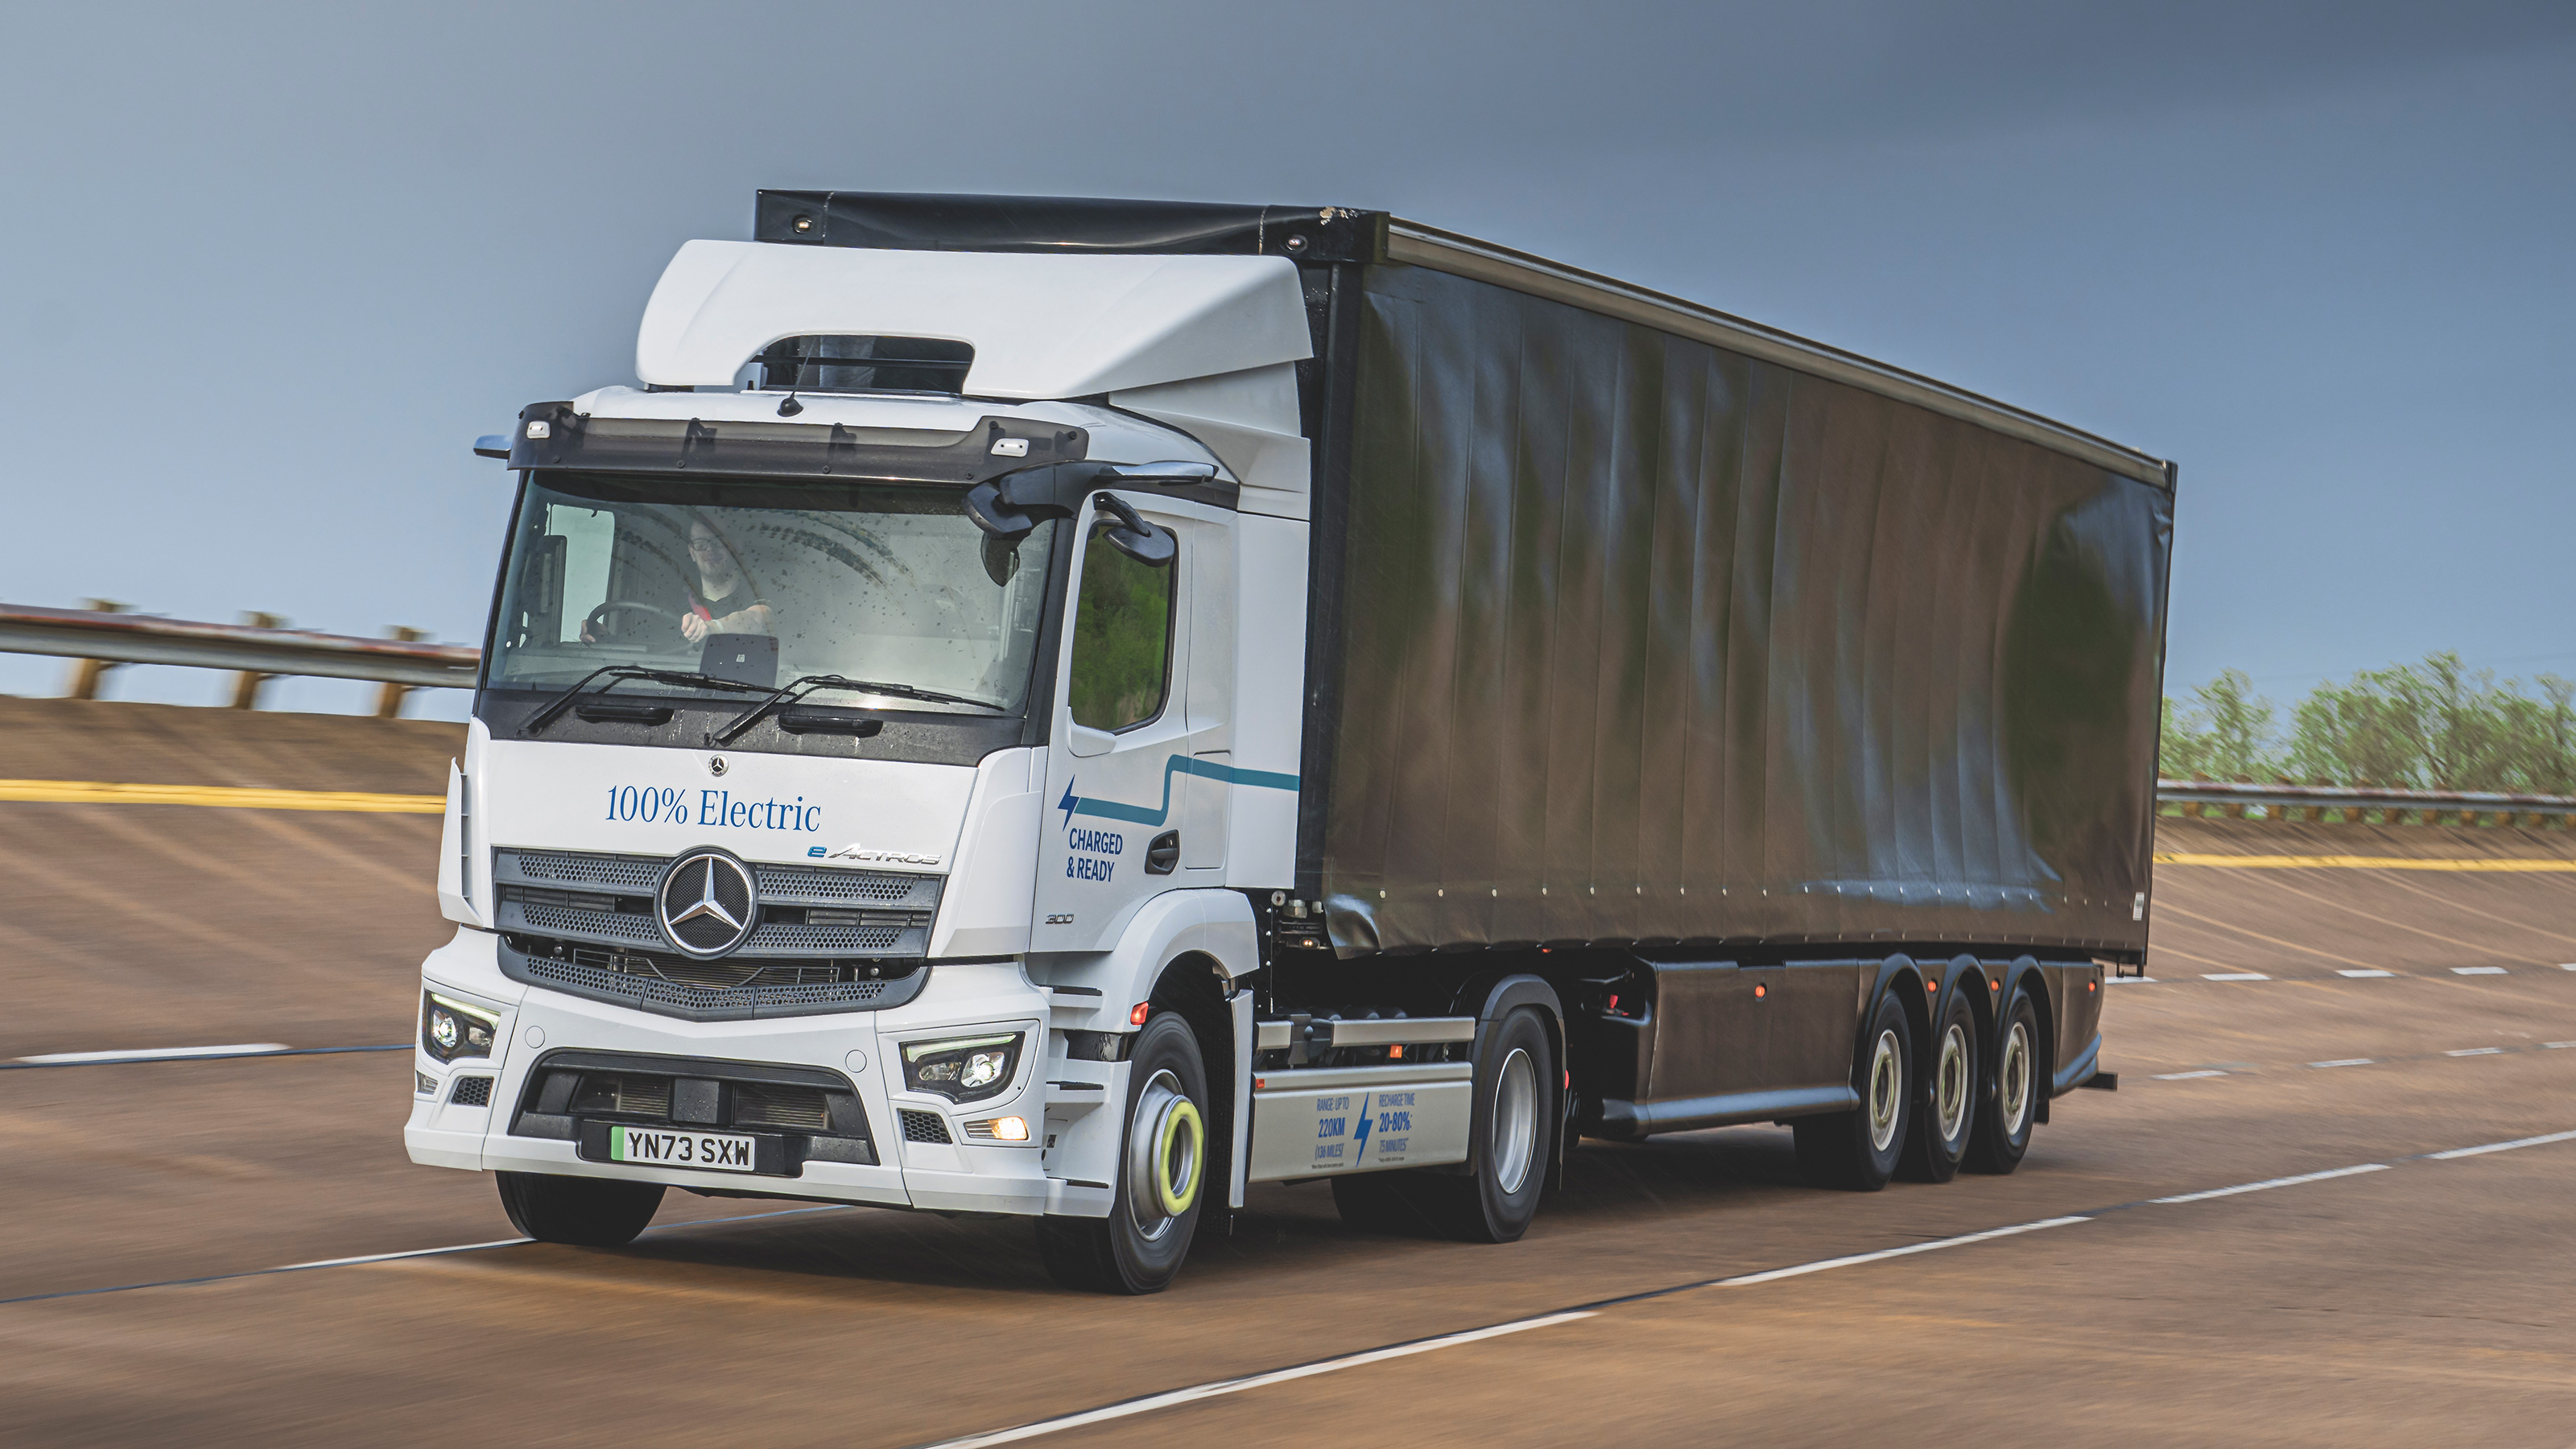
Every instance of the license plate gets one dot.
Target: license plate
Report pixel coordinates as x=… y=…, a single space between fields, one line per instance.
x=706 y=1151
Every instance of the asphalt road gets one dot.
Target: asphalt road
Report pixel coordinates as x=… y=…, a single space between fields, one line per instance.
x=2415 y=1300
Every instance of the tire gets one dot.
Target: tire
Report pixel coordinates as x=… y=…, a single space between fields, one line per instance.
x=1858 y=1151
x=1945 y=1110
x=586 y=1212
x=1163 y=1175
x=1508 y=1138
x=2008 y=1104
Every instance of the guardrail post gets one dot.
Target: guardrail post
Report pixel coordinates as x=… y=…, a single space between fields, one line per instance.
x=246 y=684
x=389 y=695
x=89 y=674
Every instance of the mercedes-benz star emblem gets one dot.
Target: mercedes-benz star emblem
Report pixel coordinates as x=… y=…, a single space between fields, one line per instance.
x=707 y=903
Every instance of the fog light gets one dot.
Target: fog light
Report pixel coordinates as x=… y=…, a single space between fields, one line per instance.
x=1010 y=1129
x=424 y=1084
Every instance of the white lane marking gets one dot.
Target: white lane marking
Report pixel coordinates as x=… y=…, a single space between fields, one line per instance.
x=2150 y=981
x=2233 y=976
x=2272 y=1183
x=2475 y=1052
x=1153 y=1402
x=2479 y=971
x=155 y=1054
x=2503 y=1146
x=2568 y=966
x=2551 y=1046
x=2373 y=971
x=2185 y=1076
x=1802 y=1269
x=390 y=1257
x=2344 y=1062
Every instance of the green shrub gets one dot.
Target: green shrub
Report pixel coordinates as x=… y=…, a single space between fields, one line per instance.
x=2432 y=726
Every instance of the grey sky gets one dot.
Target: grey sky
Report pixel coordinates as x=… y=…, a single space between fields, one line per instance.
x=271 y=270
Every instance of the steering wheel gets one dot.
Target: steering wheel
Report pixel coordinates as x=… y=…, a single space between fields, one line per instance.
x=596 y=621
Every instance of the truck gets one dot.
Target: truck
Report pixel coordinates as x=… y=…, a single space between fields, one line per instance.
x=1073 y=708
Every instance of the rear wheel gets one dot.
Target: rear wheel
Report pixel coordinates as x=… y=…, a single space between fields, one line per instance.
x=2008 y=1102
x=1858 y=1150
x=1945 y=1114
x=587 y=1212
x=1162 y=1175
x=1515 y=1105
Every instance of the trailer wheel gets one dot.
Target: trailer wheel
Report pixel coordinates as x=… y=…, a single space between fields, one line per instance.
x=587 y=1212
x=1858 y=1150
x=1945 y=1112
x=2008 y=1102
x=1163 y=1169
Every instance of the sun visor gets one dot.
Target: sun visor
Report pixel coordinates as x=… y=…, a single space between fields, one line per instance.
x=1042 y=326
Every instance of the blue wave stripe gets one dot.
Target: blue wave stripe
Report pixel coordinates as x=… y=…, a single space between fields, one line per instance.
x=1181 y=765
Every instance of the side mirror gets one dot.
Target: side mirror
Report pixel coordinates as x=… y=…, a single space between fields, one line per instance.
x=1145 y=543
x=492 y=445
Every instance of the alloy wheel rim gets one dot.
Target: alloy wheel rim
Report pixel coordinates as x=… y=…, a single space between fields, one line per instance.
x=1166 y=1151
x=1886 y=1089
x=1515 y=1121
x=2016 y=1079
x=1950 y=1084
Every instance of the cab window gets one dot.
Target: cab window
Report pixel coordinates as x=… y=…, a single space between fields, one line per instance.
x=1122 y=639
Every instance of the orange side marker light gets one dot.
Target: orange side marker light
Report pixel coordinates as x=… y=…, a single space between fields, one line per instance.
x=1137 y=1017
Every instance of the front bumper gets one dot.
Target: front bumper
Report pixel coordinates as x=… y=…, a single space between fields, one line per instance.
x=859 y=1047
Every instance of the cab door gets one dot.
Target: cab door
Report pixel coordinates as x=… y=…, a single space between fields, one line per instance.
x=1125 y=739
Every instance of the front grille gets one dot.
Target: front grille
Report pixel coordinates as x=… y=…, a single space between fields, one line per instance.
x=810 y=885
x=471 y=1092
x=636 y=873
x=662 y=982
x=923 y=1126
x=805 y=911
x=564 y=921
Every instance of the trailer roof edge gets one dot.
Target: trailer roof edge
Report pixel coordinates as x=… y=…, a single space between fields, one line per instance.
x=1419 y=245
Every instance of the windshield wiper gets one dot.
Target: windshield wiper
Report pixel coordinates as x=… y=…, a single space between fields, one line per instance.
x=796 y=689
x=555 y=707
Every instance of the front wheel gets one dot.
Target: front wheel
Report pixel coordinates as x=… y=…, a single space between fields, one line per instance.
x=1162 y=1175
x=1858 y=1150
x=587 y=1212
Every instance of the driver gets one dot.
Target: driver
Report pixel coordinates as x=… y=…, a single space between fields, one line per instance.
x=724 y=601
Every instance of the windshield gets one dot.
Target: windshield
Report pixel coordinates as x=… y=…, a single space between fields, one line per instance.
x=762 y=583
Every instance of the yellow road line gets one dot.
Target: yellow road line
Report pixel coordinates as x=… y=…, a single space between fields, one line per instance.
x=2364 y=862
x=100 y=792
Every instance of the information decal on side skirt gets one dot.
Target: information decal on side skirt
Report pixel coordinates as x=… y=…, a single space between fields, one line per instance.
x=1335 y=1124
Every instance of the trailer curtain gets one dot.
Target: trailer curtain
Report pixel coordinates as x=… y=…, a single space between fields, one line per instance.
x=1645 y=641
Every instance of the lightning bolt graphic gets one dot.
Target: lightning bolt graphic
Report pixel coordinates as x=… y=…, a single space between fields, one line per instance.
x=1069 y=801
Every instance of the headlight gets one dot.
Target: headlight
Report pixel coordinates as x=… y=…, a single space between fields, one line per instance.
x=966 y=1069
x=450 y=1029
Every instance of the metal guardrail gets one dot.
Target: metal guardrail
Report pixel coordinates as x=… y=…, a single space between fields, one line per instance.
x=2310 y=802
x=106 y=636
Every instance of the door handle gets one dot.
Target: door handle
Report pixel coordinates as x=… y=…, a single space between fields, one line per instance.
x=1163 y=854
